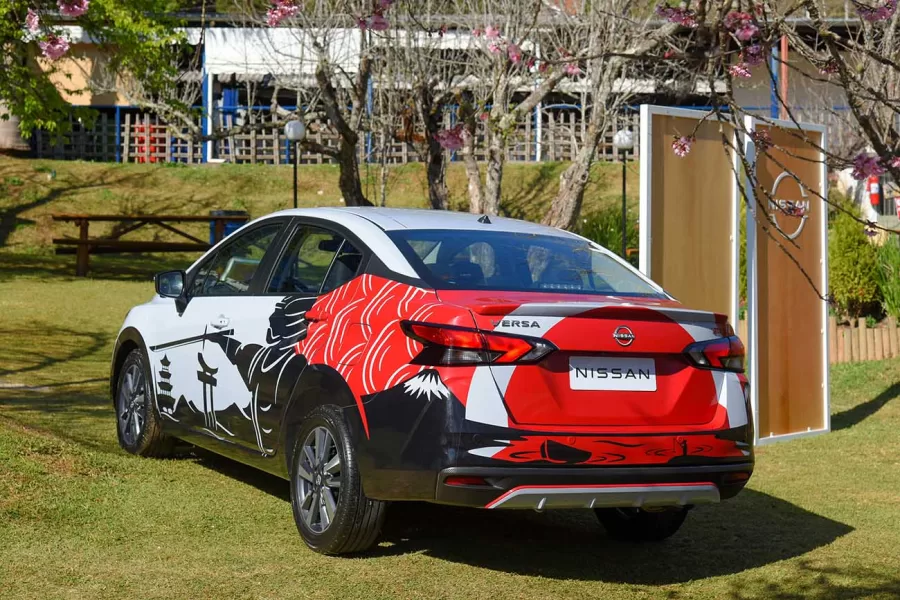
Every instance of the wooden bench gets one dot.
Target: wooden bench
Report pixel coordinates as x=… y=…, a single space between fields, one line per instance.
x=83 y=246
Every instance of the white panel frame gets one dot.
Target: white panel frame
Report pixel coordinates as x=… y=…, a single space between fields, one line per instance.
x=753 y=291
x=646 y=191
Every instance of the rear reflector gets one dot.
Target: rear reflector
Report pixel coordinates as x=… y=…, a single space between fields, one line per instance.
x=458 y=480
x=736 y=477
x=451 y=345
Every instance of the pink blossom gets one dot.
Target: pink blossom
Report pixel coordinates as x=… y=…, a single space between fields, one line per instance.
x=572 y=69
x=531 y=62
x=477 y=32
x=54 y=47
x=32 y=21
x=753 y=56
x=668 y=54
x=741 y=24
x=895 y=162
x=877 y=13
x=542 y=68
x=762 y=140
x=740 y=70
x=491 y=32
x=495 y=48
x=682 y=146
x=865 y=166
x=682 y=16
x=281 y=10
x=484 y=117
x=450 y=139
x=514 y=53
x=73 y=8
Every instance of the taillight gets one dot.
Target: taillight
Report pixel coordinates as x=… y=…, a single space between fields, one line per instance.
x=726 y=354
x=451 y=345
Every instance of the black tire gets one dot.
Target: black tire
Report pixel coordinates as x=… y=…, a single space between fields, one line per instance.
x=355 y=521
x=134 y=404
x=639 y=525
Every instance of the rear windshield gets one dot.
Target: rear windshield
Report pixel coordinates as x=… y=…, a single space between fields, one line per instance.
x=508 y=261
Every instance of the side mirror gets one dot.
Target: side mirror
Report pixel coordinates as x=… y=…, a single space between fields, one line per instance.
x=170 y=284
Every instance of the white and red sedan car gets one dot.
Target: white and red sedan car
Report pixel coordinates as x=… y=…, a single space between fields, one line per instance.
x=375 y=355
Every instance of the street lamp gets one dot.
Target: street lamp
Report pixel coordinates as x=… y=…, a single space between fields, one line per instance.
x=295 y=131
x=623 y=141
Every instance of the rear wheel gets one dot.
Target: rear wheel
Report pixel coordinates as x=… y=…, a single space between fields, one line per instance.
x=641 y=525
x=331 y=511
x=137 y=422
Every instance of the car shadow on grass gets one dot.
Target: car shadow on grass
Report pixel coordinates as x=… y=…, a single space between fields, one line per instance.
x=749 y=531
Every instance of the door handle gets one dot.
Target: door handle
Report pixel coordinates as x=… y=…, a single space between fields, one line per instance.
x=220 y=322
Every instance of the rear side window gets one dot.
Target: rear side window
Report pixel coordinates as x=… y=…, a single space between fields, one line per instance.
x=509 y=261
x=315 y=262
x=232 y=269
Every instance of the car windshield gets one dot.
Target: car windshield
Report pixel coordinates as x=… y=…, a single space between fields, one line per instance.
x=509 y=261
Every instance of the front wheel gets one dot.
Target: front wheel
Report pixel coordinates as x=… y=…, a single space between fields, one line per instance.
x=138 y=424
x=331 y=511
x=641 y=525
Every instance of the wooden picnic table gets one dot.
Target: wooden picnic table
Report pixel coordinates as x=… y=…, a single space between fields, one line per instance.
x=84 y=245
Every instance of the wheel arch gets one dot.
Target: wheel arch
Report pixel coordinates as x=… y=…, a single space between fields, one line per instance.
x=317 y=385
x=129 y=339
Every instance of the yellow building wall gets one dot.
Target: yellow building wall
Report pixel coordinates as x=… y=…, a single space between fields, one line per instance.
x=73 y=74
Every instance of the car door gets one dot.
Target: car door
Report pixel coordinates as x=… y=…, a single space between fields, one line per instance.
x=199 y=380
x=269 y=365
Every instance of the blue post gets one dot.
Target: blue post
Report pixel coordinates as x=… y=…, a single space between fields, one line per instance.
x=207 y=105
x=118 y=134
x=773 y=108
x=370 y=101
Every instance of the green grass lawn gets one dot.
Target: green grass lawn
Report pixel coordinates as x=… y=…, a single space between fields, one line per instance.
x=32 y=190
x=79 y=518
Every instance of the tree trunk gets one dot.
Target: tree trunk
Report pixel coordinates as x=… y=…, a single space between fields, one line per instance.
x=436 y=172
x=349 y=181
x=566 y=206
x=494 y=177
x=473 y=173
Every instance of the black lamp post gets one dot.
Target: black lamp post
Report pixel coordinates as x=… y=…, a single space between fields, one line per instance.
x=623 y=141
x=295 y=131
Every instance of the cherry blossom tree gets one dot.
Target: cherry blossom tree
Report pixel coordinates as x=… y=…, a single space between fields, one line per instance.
x=518 y=52
x=136 y=36
x=855 y=62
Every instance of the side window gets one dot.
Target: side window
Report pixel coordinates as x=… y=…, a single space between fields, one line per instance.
x=305 y=262
x=233 y=267
x=344 y=268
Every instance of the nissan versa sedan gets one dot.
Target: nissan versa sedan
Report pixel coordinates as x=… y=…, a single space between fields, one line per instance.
x=371 y=355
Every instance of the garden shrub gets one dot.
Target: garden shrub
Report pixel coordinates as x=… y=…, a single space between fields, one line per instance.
x=889 y=276
x=605 y=228
x=853 y=268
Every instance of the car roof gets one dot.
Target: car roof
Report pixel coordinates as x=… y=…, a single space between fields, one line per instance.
x=392 y=219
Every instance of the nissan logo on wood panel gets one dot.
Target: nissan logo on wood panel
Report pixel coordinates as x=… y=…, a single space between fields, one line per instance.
x=623 y=335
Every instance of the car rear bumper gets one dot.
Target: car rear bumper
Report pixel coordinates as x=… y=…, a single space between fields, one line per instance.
x=590 y=487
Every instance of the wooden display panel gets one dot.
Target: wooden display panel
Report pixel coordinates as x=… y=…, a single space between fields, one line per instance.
x=789 y=343
x=688 y=221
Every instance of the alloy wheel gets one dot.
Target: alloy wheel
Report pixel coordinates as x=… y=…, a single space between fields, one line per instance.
x=319 y=479
x=132 y=403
